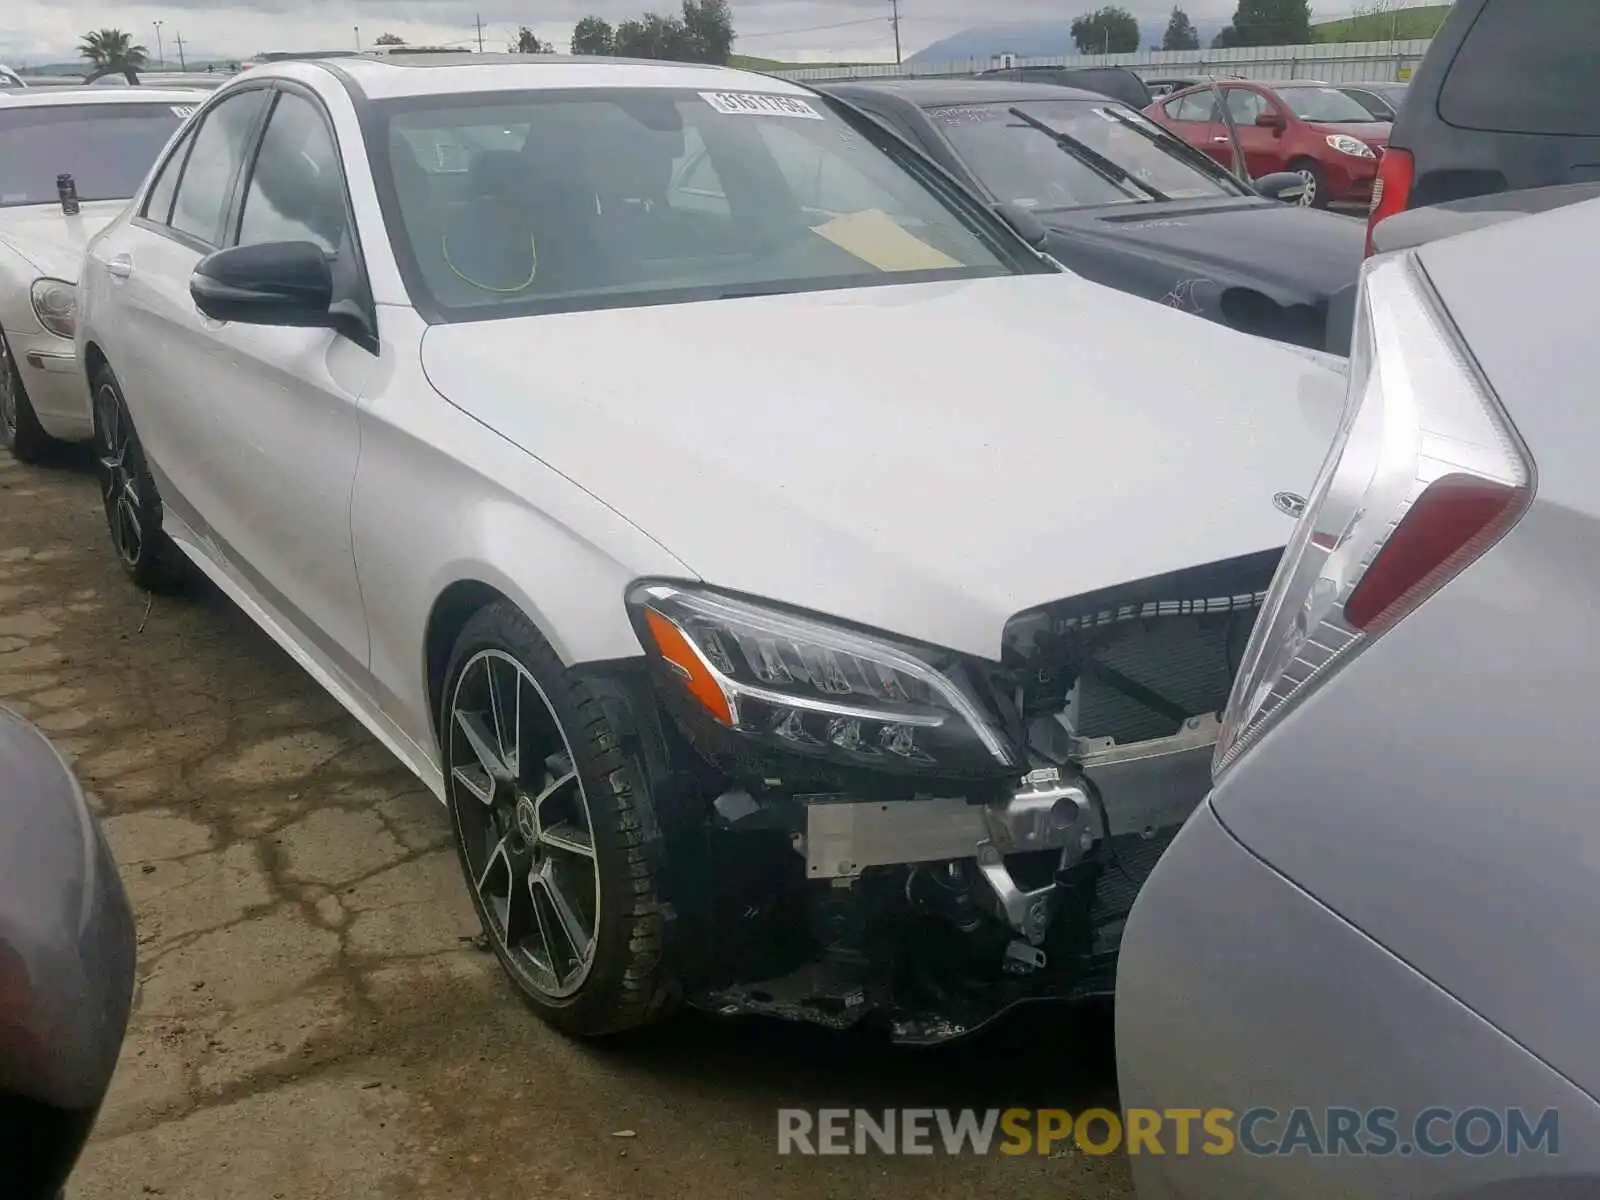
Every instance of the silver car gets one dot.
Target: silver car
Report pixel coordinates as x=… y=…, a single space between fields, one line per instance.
x=66 y=964
x=1373 y=946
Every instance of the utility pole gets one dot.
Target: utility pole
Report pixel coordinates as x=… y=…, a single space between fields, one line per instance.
x=479 y=17
x=161 y=54
x=183 y=64
x=895 y=21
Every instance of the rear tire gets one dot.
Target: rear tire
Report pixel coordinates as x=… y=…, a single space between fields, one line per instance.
x=128 y=493
x=555 y=830
x=1316 y=193
x=20 y=431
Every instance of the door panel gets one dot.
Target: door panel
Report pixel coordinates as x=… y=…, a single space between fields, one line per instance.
x=281 y=434
x=1263 y=148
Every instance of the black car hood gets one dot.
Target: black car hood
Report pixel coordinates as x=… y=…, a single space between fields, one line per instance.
x=1191 y=253
x=1302 y=252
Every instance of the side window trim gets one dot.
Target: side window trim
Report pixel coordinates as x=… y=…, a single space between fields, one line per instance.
x=166 y=229
x=247 y=168
x=178 y=160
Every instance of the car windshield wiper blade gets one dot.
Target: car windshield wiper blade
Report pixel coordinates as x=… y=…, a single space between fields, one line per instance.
x=1090 y=158
x=1180 y=150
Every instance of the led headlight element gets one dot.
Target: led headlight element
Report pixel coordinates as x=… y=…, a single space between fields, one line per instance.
x=799 y=683
x=1353 y=146
x=55 y=303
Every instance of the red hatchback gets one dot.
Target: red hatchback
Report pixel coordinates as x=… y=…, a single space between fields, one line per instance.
x=1313 y=129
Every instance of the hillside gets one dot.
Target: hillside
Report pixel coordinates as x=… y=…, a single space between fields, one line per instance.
x=1041 y=40
x=1422 y=22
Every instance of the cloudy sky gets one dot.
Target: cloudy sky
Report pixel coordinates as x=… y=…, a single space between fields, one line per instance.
x=35 y=31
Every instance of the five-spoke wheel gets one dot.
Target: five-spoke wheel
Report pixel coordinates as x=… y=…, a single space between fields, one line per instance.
x=555 y=827
x=524 y=822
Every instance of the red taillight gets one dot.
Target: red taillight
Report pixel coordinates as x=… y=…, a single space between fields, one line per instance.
x=1443 y=530
x=1391 y=191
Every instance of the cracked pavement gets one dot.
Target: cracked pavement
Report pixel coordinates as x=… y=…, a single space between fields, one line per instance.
x=312 y=1017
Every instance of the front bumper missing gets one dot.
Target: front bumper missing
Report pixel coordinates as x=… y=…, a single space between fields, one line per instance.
x=1049 y=812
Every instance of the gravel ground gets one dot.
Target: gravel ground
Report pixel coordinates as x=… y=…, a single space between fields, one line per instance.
x=312 y=1017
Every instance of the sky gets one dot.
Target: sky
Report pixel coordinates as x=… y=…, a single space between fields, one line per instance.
x=37 y=31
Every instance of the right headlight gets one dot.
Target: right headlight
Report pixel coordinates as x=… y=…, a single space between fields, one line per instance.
x=798 y=684
x=55 y=303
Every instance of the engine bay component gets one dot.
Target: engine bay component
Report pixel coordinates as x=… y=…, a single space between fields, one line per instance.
x=844 y=837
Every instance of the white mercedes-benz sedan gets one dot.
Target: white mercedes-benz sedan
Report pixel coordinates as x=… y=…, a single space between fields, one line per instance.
x=806 y=598
x=69 y=160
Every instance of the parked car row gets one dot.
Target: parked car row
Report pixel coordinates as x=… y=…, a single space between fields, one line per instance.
x=809 y=599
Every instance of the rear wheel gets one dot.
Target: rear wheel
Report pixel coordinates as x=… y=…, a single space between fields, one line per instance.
x=1316 y=193
x=20 y=431
x=128 y=493
x=554 y=830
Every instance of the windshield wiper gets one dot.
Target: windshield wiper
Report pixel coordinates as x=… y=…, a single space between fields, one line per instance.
x=1089 y=157
x=1180 y=150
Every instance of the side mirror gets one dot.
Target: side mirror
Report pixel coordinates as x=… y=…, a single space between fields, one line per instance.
x=1267 y=119
x=1023 y=223
x=276 y=283
x=1286 y=186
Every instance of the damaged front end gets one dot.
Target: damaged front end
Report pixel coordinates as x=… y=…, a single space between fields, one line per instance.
x=925 y=840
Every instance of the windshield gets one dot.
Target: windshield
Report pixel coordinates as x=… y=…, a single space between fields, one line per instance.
x=589 y=199
x=106 y=148
x=1324 y=106
x=1023 y=165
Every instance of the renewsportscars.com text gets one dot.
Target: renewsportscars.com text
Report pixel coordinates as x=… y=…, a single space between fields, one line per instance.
x=1432 y=1132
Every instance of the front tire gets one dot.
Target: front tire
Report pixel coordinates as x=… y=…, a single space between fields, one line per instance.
x=128 y=493
x=1316 y=193
x=20 y=431
x=555 y=831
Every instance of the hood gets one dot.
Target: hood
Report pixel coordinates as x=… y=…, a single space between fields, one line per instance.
x=927 y=459
x=52 y=241
x=1296 y=255
x=1373 y=133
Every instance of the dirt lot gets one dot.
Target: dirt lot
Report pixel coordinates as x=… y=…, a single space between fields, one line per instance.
x=312 y=1017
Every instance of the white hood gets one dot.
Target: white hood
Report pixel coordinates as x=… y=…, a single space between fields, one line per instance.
x=52 y=242
x=926 y=459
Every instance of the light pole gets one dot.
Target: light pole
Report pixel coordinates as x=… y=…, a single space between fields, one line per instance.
x=161 y=54
x=358 y=39
x=894 y=20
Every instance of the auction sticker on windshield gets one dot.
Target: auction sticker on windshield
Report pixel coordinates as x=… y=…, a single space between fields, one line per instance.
x=183 y=110
x=760 y=104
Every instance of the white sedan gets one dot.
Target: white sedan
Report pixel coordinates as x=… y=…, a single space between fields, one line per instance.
x=69 y=160
x=807 y=599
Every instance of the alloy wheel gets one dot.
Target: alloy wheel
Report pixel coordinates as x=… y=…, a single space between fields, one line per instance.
x=119 y=487
x=523 y=818
x=1308 y=197
x=8 y=395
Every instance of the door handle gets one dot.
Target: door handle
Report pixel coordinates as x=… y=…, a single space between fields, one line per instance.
x=1223 y=140
x=120 y=267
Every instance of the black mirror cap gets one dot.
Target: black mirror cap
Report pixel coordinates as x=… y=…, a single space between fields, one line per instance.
x=1286 y=186
x=275 y=283
x=1026 y=226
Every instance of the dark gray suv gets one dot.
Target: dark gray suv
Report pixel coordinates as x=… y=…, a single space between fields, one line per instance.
x=1504 y=100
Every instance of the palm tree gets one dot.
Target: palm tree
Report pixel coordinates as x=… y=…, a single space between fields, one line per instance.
x=111 y=50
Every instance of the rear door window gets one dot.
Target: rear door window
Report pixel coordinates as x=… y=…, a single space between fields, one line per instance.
x=1526 y=66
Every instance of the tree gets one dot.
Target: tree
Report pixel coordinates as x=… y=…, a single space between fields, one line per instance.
x=710 y=24
x=111 y=50
x=390 y=39
x=593 y=35
x=655 y=36
x=526 y=43
x=1181 y=33
x=1268 y=23
x=1106 y=31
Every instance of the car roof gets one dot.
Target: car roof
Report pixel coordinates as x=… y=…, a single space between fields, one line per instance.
x=449 y=74
x=925 y=93
x=57 y=97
